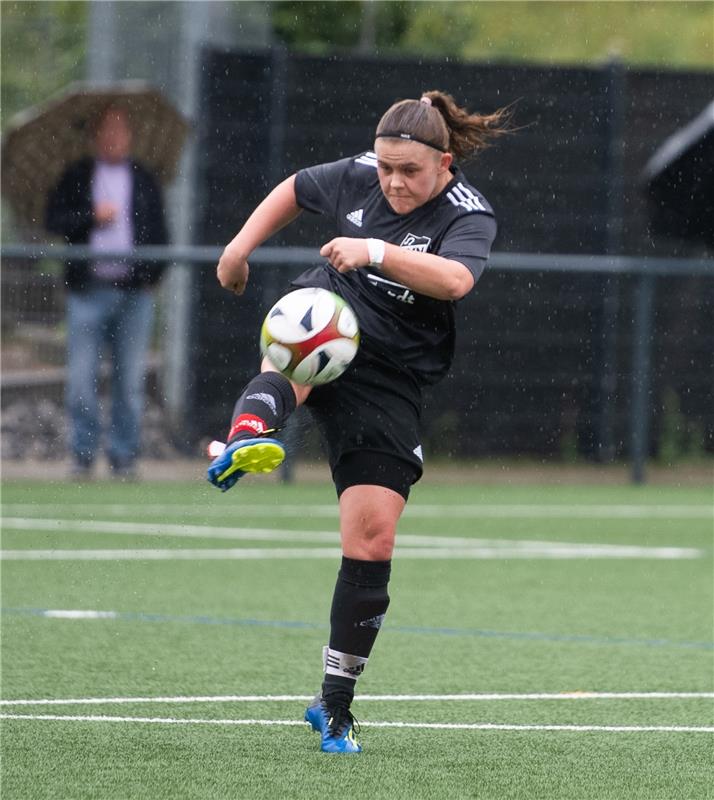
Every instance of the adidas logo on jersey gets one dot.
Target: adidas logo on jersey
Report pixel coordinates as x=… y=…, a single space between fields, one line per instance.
x=355 y=217
x=462 y=196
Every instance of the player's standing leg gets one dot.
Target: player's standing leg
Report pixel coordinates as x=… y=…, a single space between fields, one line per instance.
x=368 y=522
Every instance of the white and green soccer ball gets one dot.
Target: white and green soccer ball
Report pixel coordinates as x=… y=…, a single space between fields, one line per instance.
x=310 y=335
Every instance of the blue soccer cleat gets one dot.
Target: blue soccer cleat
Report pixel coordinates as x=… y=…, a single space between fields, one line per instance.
x=335 y=725
x=245 y=455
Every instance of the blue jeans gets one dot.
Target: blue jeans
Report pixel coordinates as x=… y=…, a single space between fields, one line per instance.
x=119 y=321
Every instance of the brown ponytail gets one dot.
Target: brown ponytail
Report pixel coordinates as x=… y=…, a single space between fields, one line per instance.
x=437 y=121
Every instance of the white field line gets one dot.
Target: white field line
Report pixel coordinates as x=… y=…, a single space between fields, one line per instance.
x=236 y=533
x=70 y=613
x=415 y=510
x=409 y=698
x=233 y=533
x=554 y=552
x=463 y=726
x=434 y=546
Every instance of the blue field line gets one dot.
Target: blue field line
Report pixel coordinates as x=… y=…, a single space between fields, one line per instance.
x=140 y=616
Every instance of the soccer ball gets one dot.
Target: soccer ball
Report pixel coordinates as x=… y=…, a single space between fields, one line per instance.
x=310 y=335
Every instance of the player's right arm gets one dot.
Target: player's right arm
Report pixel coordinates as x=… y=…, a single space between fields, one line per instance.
x=278 y=209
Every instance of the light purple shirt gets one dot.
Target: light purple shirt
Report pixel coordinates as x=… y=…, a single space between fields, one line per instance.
x=112 y=183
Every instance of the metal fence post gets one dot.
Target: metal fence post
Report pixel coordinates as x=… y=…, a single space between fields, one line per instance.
x=102 y=43
x=279 y=66
x=642 y=342
x=606 y=376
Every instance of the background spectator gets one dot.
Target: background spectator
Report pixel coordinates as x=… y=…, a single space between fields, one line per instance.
x=111 y=203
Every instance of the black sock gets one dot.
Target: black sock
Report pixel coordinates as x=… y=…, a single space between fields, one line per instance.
x=264 y=407
x=359 y=604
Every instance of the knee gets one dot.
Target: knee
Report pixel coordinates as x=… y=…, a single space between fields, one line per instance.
x=368 y=521
x=380 y=549
x=375 y=540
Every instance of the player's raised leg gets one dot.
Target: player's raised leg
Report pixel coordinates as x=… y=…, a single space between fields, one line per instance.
x=262 y=409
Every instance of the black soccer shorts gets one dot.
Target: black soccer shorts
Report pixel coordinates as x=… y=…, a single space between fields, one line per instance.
x=369 y=421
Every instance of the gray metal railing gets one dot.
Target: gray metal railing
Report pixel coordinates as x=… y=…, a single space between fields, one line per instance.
x=646 y=269
x=298 y=256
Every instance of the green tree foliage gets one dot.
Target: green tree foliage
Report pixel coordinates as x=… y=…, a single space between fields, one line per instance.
x=664 y=34
x=316 y=27
x=43 y=48
x=323 y=27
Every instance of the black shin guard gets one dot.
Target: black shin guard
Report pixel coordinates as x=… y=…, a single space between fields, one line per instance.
x=359 y=604
x=264 y=407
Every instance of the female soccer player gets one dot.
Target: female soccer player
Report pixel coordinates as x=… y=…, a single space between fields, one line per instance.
x=413 y=238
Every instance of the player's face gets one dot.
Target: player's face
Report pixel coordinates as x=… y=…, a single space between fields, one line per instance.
x=410 y=173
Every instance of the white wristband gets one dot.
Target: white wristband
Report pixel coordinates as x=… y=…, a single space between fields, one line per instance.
x=375 y=248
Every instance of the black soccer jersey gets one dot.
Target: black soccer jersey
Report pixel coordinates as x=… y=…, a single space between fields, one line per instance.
x=409 y=329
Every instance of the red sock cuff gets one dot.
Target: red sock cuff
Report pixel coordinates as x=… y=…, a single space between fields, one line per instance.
x=248 y=423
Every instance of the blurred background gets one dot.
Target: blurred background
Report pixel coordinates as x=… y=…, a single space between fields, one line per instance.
x=589 y=340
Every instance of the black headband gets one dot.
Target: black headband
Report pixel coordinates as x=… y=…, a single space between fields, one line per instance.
x=411 y=138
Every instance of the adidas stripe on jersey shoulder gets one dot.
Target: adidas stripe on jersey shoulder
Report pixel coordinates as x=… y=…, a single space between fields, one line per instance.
x=465 y=198
x=368 y=159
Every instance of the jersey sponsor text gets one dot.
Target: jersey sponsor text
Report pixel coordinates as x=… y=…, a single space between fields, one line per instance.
x=405 y=296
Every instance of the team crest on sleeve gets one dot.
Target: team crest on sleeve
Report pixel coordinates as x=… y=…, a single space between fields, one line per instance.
x=418 y=243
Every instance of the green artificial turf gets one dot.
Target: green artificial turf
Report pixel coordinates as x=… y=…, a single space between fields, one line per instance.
x=209 y=628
